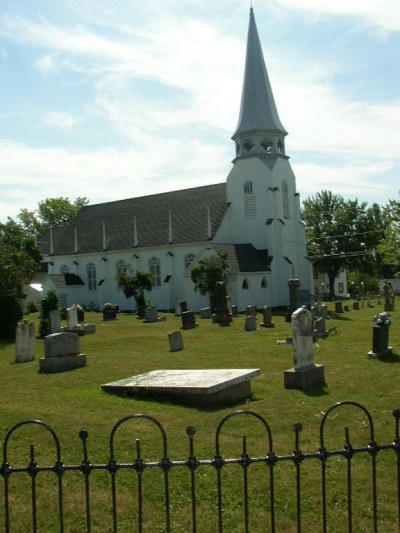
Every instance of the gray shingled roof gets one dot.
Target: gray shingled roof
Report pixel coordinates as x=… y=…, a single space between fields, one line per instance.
x=244 y=257
x=189 y=216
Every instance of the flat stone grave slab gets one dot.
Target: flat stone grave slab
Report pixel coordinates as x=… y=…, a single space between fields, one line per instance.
x=205 y=388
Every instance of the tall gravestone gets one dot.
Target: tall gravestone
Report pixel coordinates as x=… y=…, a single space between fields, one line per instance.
x=387 y=295
x=222 y=314
x=25 y=342
x=55 y=321
x=267 y=317
x=304 y=374
x=294 y=298
x=189 y=320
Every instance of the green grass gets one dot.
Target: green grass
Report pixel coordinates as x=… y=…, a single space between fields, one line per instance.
x=73 y=400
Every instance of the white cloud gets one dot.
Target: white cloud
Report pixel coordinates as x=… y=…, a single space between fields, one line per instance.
x=60 y=120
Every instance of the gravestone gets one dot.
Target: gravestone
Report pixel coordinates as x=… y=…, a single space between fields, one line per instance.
x=72 y=318
x=251 y=310
x=62 y=353
x=380 y=342
x=320 y=327
x=110 y=312
x=25 y=342
x=205 y=312
x=222 y=315
x=234 y=310
x=305 y=373
x=294 y=298
x=178 y=310
x=250 y=323
x=339 y=306
x=189 y=320
x=369 y=299
x=183 y=306
x=150 y=315
x=55 y=321
x=387 y=295
x=324 y=311
x=89 y=328
x=356 y=305
x=267 y=317
x=175 y=341
x=392 y=301
x=313 y=312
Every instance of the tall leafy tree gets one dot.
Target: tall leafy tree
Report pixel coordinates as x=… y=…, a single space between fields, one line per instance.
x=207 y=272
x=19 y=262
x=389 y=247
x=50 y=213
x=134 y=284
x=341 y=234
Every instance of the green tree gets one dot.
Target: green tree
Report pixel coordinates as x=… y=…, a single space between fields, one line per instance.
x=50 y=213
x=19 y=262
x=389 y=247
x=207 y=272
x=342 y=234
x=135 y=284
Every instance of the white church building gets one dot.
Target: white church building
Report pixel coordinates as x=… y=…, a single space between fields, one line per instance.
x=253 y=217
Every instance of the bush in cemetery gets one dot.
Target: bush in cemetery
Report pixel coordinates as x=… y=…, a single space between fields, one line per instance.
x=49 y=303
x=135 y=284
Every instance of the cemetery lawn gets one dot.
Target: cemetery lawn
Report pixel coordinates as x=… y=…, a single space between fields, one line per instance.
x=73 y=400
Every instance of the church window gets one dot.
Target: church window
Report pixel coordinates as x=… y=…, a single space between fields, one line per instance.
x=189 y=258
x=155 y=271
x=64 y=269
x=285 y=200
x=280 y=146
x=249 y=200
x=121 y=269
x=264 y=283
x=91 y=276
x=245 y=284
x=237 y=148
x=249 y=145
x=267 y=145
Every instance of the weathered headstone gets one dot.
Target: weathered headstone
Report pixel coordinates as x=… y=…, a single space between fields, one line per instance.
x=387 y=289
x=339 y=306
x=110 y=312
x=320 y=327
x=250 y=323
x=251 y=310
x=294 y=298
x=25 y=342
x=205 y=312
x=380 y=342
x=189 y=320
x=175 y=341
x=267 y=317
x=305 y=373
x=324 y=311
x=234 y=310
x=62 y=352
x=72 y=318
x=55 y=320
x=356 y=305
x=150 y=315
x=222 y=315
x=178 y=310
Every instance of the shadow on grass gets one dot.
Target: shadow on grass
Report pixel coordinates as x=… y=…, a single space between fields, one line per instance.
x=389 y=358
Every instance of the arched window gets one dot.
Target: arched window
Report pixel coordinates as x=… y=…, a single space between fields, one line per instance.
x=267 y=145
x=285 y=199
x=155 y=271
x=189 y=258
x=264 y=283
x=249 y=200
x=248 y=145
x=91 y=276
x=245 y=284
x=121 y=269
x=280 y=146
x=64 y=269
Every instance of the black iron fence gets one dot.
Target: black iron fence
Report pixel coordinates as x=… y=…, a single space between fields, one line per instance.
x=265 y=509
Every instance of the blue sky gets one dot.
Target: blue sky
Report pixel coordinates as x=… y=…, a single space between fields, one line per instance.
x=112 y=100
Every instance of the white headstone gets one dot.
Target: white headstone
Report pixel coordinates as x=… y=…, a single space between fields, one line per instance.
x=72 y=317
x=302 y=338
x=25 y=342
x=61 y=344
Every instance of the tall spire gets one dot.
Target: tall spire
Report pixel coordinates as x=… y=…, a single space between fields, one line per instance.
x=259 y=130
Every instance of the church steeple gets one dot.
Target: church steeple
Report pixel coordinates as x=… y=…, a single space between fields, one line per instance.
x=259 y=131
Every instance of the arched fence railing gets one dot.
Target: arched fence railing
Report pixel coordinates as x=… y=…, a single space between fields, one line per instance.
x=263 y=508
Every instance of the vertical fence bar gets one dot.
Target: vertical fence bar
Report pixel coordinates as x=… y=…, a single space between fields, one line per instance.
x=323 y=457
x=348 y=453
x=192 y=463
x=298 y=457
x=139 y=467
x=396 y=446
x=166 y=465
x=85 y=469
x=271 y=460
x=245 y=461
x=32 y=472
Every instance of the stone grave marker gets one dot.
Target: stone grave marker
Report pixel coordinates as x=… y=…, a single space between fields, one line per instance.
x=175 y=341
x=25 y=342
x=324 y=311
x=222 y=315
x=320 y=327
x=387 y=295
x=251 y=310
x=356 y=305
x=339 y=306
x=150 y=315
x=189 y=320
x=305 y=373
x=62 y=352
x=380 y=336
x=234 y=310
x=250 y=323
x=55 y=321
x=72 y=318
x=267 y=317
x=205 y=312
x=294 y=298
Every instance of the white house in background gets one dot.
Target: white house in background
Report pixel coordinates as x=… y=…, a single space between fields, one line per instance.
x=253 y=217
x=321 y=284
